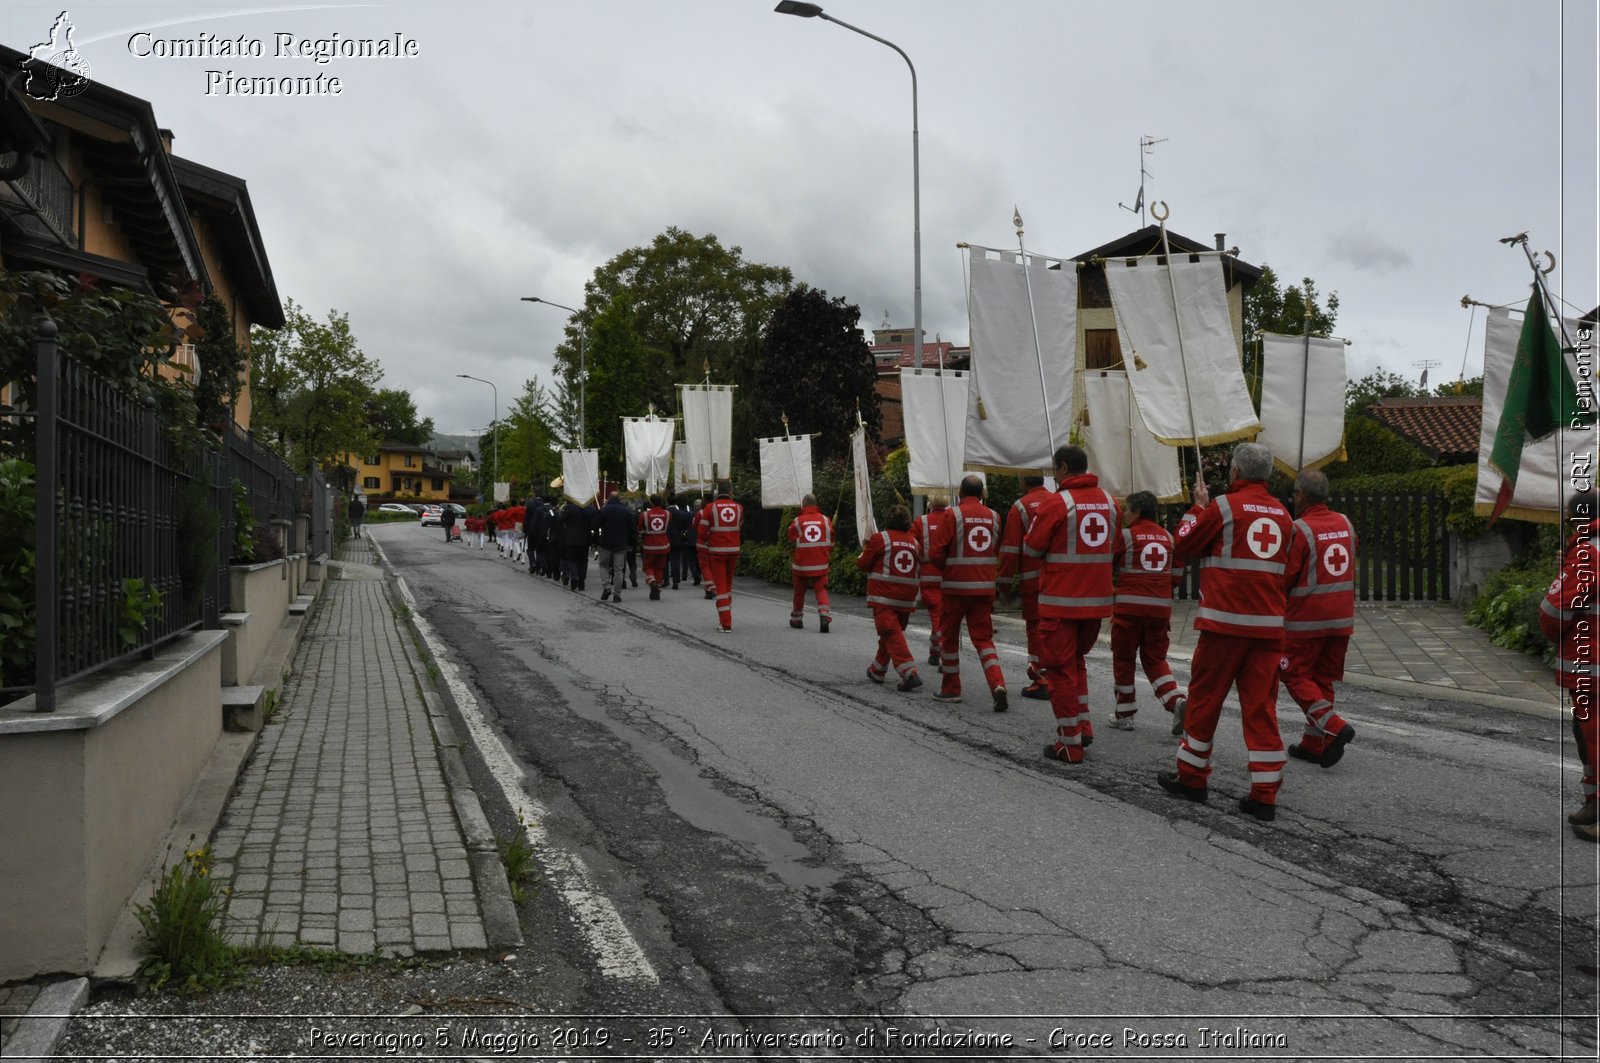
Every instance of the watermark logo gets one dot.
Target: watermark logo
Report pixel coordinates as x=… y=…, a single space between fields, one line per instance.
x=56 y=69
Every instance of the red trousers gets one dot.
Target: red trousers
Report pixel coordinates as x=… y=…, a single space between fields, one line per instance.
x=1585 y=728
x=1220 y=663
x=803 y=582
x=655 y=568
x=1030 y=623
x=932 y=600
x=1063 y=644
x=891 y=627
x=1147 y=638
x=1309 y=669
x=718 y=569
x=978 y=612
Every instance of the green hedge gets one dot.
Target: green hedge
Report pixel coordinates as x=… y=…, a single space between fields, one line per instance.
x=1508 y=608
x=770 y=562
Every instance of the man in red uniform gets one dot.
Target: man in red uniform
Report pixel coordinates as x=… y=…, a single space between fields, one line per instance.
x=1141 y=616
x=702 y=521
x=932 y=575
x=890 y=561
x=965 y=543
x=1319 y=619
x=1012 y=563
x=811 y=532
x=1074 y=534
x=653 y=524
x=720 y=535
x=1244 y=537
x=1570 y=619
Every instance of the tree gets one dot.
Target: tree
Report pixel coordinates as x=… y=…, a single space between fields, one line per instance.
x=1269 y=307
x=315 y=382
x=391 y=414
x=222 y=362
x=1378 y=384
x=527 y=440
x=816 y=367
x=694 y=305
x=1471 y=386
x=619 y=380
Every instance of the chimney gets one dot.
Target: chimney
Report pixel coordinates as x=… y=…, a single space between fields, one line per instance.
x=1222 y=241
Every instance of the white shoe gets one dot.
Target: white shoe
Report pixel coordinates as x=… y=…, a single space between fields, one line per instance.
x=1122 y=723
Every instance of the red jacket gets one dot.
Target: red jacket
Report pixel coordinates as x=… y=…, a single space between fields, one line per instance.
x=1244 y=538
x=653 y=530
x=719 y=531
x=932 y=574
x=1011 y=556
x=965 y=545
x=1570 y=614
x=1145 y=571
x=812 y=534
x=1075 y=535
x=890 y=561
x=1321 y=576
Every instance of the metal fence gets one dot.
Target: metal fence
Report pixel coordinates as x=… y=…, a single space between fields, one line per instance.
x=133 y=531
x=1402 y=553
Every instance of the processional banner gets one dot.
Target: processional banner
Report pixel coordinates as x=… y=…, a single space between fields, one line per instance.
x=1302 y=398
x=1122 y=452
x=785 y=471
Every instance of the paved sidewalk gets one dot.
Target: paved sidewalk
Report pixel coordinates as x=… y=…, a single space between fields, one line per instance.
x=1429 y=644
x=342 y=832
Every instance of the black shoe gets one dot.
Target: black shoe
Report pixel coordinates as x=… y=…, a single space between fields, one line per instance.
x=1168 y=781
x=1000 y=704
x=1087 y=740
x=605 y=595
x=674 y=584
x=909 y=683
x=1260 y=809
x=796 y=622
x=1051 y=752
x=633 y=581
x=1036 y=691
x=710 y=594
x=1334 y=751
x=933 y=659
x=1178 y=714
x=1300 y=752
x=823 y=625
x=655 y=594
x=697 y=583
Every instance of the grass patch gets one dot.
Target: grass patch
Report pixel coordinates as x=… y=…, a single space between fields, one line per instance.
x=182 y=941
x=271 y=706
x=516 y=855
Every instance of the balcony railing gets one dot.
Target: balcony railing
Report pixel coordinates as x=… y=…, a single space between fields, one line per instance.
x=41 y=199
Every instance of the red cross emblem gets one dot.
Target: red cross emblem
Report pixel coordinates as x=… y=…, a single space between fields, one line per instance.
x=903 y=562
x=980 y=538
x=1153 y=558
x=727 y=514
x=1264 y=538
x=1336 y=559
x=812 y=533
x=657 y=525
x=1094 y=529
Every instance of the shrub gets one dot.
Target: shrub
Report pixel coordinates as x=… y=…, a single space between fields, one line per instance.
x=1508 y=608
x=140 y=604
x=16 y=573
x=182 y=942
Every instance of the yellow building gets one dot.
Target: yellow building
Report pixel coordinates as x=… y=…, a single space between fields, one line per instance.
x=88 y=186
x=400 y=471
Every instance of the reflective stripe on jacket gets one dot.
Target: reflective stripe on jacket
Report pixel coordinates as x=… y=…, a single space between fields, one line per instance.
x=966 y=546
x=1244 y=538
x=1145 y=573
x=1075 y=534
x=812 y=535
x=1320 y=574
x=890 y=560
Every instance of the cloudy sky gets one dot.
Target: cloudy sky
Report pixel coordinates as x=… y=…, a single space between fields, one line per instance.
x=1380 y=147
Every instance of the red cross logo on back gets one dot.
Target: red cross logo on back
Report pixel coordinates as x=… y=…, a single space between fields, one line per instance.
x=1153 y=558
x=1264 y=538
x=1336 y=559
x=980 y=538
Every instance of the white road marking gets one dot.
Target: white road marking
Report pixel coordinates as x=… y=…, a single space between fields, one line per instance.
x=614 y=946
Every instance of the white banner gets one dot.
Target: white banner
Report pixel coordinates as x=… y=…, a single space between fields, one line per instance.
x=685 y=479
x=580 y=475
x=707 y=429
x=502 y=491
x=785 y=471
x=647 y=444
x=1294 y=401
x=934 y=407
x=1020 y=405
x=1544 y=479
x=1213 y=385
x=1122 y=452
x=866 y=523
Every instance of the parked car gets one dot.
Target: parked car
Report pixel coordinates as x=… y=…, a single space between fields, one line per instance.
x=431 y=517
x=395 y=507
x=461 y=511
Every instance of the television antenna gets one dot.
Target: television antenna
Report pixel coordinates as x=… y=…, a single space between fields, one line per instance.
x=1145 y=144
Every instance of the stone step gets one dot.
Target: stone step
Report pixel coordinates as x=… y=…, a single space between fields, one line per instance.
x=243 y=708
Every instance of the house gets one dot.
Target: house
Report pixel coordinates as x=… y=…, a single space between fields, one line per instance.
x=400 y=471
x=1446 y=429
x=89 y=186
x=894 y=349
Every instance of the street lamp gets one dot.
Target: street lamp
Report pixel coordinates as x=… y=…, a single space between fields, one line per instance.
x=496 y=426
x=802 y=10
x=582 y=376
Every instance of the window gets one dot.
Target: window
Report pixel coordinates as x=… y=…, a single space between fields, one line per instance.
x=411 y=461
x=1101 y=349
x=369 y=483
x=438 y=484
x=373 y=459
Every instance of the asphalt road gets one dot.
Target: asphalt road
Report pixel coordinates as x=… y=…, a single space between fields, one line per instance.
x=742 y=824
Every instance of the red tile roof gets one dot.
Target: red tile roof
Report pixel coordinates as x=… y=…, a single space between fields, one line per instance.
x=1445 y=428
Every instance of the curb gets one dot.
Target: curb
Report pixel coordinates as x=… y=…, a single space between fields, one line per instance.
x=501 y=925
x=40 y=1030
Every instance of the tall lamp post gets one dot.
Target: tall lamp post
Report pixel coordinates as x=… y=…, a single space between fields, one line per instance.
x=803 y=10
x=496 y=427
x=582 y=375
